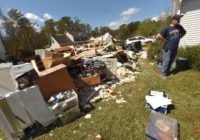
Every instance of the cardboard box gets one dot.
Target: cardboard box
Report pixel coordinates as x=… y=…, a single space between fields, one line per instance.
x=87 y=81
x=55 y=80
x=48 y=62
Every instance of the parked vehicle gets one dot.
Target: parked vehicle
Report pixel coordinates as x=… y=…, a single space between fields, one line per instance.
x=142 y=39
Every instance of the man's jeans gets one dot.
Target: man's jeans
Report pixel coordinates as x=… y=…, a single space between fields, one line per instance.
x=169 y=56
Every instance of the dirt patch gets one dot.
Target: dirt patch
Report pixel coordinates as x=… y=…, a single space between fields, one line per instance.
x=196 y=130
x=191 y=115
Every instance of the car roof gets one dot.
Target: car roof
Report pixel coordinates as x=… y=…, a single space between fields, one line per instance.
x=136 y=37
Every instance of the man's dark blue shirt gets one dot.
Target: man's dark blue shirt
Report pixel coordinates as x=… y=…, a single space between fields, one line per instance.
x=172 y=34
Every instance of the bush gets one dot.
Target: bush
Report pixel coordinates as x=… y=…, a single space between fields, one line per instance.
x=155 y=51
x=192 y=53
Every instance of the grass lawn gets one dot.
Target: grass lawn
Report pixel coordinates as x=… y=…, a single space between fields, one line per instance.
x=127 y=121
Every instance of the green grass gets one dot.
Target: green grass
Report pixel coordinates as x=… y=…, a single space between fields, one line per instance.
x=128 y=121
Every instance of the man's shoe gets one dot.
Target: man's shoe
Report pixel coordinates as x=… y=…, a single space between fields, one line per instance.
x=164 y=76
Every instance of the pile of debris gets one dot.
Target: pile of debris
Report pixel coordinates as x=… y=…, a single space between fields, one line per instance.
x=59 y=84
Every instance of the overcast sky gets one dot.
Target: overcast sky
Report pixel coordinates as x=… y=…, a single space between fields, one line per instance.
x=95 y=12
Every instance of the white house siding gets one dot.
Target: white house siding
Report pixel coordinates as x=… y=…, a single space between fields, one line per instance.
x=54 y=44
x=2 y=51
x=69 y=36
x=191 y=22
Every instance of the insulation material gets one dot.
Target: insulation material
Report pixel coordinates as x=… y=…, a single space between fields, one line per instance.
x=9 y=122
x=36 y=106
x=18 y=109
x=7 y=79
x=5 y=126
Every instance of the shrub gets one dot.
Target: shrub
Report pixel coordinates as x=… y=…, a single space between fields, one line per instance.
x=192 y=53
x=155 y=51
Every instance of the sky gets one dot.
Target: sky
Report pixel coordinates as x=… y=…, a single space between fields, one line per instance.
x=97 y=13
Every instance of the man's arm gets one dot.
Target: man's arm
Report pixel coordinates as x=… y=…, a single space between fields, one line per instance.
x=183 y=31
x=160 y=37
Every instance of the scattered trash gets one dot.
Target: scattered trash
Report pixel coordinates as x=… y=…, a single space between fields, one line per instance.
x=151 y=64
x=51 y=134
x=98 y=137
x=158 y=101
x=120 y=101
x=88 y=116
x=74 y=132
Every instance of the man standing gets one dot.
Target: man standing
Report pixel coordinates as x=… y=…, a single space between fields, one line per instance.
x=170 y=36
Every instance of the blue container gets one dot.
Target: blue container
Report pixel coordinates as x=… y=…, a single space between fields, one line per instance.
x=162 y=109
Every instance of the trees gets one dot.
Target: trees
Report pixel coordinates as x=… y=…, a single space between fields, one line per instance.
x=21 y=38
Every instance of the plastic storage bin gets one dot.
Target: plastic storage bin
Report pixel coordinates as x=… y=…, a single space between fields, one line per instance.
x=161 y=127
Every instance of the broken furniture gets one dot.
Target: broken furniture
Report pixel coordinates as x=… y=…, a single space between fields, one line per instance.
x=87 y=53
x=39 y=64
x=161 y=127
x=47 y=59
x=87 y=81
x=55 y=80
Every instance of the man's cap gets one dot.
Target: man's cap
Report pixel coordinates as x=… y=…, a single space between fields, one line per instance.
x=176 y=17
